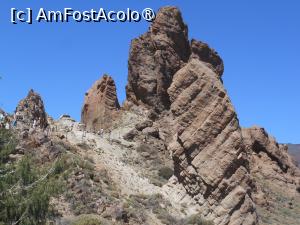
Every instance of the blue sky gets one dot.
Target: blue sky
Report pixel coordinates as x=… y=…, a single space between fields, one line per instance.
x=259 y=42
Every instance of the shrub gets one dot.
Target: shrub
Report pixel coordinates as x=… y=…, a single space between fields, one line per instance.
x=143 y=148
x=25 y=187
x=165 y=172
x=7 y=145
x=87 y=220
x=196 y=220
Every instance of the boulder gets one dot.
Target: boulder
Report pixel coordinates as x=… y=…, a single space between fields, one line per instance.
x=130 y=135
x=151 y=131
x=141 y=126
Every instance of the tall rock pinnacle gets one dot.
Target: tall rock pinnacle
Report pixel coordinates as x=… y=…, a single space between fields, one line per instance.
x=155 y=57
x=32 y=109
x=167 y=72
x=100 y=104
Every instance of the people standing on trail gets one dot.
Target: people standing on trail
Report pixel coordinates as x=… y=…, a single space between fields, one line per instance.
x=34 y=124
x=2 y=120
x=7 y=127
x=101 y=132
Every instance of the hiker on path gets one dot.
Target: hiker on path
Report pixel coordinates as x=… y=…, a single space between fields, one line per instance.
x=2 y=118
x=34 y=124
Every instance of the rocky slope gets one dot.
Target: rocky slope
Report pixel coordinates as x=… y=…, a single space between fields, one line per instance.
x=174 y=154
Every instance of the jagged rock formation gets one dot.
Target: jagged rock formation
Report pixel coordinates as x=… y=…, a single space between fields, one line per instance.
x=32 y=109
x=267 y=153
x=100 y=104
x=270 y=160
x=203 y=132
x=277 y=179
x=294 y=150
x=206 y=54
x=154 y=59
x=180 y=118
x=210 y=159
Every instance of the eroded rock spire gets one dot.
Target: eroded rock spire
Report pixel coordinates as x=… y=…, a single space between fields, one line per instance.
x=100 y=104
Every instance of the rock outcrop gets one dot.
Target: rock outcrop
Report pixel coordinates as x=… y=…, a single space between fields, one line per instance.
x=204 y=53
x=208 y=151
x=201 y=128
x=31 y=109
x=265 y=150
x=269 y=160
x=100 y=105
x=154 y=59
x=277 y=179
x=294 y=150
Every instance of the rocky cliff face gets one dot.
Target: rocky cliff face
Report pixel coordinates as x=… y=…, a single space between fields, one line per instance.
x=270 y=161
x=294 y=150
x=210 y=158
x=32 y=109
x=273 y=157
x=154 y=59
x=277 y=179
x=203 y=132
x=100 y=104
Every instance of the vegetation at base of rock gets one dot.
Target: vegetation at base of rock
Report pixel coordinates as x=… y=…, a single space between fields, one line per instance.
x=197 y=220
x=165 y=172
x=87 y=220
x=7 y=145
x=282 y=209
x=25 y=187
x=138 y=205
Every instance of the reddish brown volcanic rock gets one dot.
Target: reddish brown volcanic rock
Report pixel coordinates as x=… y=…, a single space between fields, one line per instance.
x=204 y=53
x=294 y=150
x=100 y=105
x=201 y=128
x=210 y=159
x=270 y=160
x=155 y=57
x=32 y=108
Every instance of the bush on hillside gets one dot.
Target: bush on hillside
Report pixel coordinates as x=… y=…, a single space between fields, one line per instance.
x=25 y=188
x=165 y=172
